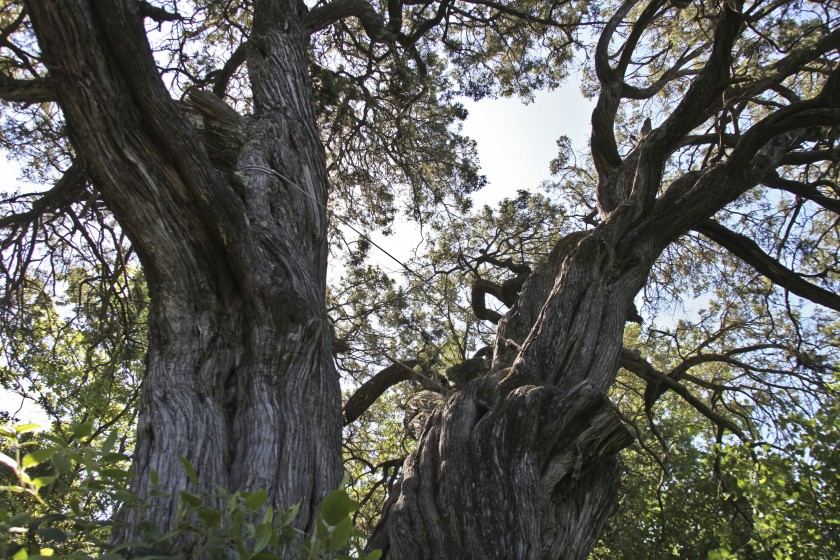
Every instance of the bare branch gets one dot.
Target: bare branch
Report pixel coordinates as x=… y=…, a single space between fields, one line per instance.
x=785 y=67
x=631 y=92
x=26 y=91
x=373 y=388
x=639 y=366
x=748 y=251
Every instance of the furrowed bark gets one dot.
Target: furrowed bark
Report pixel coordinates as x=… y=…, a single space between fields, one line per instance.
x=240 y=380
x=489 y=463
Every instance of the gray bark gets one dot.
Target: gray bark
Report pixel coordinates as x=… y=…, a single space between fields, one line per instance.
x=521 y=463
x=240 y=379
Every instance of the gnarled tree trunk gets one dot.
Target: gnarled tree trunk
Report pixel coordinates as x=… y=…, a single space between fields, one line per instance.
x=521 y=462
x=240 y=379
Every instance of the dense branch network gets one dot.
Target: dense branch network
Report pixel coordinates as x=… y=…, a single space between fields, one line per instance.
x=705 y=121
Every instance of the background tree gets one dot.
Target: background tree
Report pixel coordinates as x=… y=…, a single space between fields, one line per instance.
x=203 y=133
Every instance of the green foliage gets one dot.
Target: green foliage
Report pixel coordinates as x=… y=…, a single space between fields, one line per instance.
x=42 y=511
x=59 y=490
x=686 y=494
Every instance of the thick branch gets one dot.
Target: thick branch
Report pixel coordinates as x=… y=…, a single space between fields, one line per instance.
x=157 y=14
x=748 y=251
x=811 y=156
x=639 y=366
x=68 y=189
x=604 y=147
x=373 y=388
x=695 y=196
x=805 y=190
x=236 y=60
x=337 y=10
x=480 y=289
x=26 y=91
x=790 y=64
x=223 y=130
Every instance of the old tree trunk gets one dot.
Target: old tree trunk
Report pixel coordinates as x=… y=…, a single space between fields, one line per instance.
x=232 y=233
x=240 y=377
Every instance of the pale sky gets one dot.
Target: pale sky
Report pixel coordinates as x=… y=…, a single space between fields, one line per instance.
x=516 y=142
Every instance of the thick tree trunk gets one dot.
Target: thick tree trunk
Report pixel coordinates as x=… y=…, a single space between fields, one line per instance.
x=240 y=380
x=521 y=463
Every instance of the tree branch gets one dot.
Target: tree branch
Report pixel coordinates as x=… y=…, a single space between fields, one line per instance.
x=373 y=388
x=480 y=289
x=508 y=10
x=68 y=189
x=221 y=80
x=805 y=190
x=811 y=156
x=604 y=148
x=223 y=133
x=337 y=10
x=748 y=251
x=158 y=14
x=639 y=366
x=26 y=91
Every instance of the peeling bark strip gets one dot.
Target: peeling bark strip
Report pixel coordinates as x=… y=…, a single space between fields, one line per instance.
x=240 y=377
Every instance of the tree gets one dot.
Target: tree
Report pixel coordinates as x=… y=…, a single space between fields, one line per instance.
x=227 y=207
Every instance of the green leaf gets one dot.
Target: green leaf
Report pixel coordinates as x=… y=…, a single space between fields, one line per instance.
x=20 y=554
x=291 y=514
x=119 y=474
x=188 y=468
x=337 y=506
x=21 y=519
x=268 y=515
x=61 y=463
x=108 y=444
x=374 y=555
x=340 y=534
x=253 y=500
x=115 y=457
x=263 y=536
x=42 y=481
x=26 y=428
x=190 y=499
x=210 y=517
x=82 y=430
x=37 y=457
x=52 y=534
